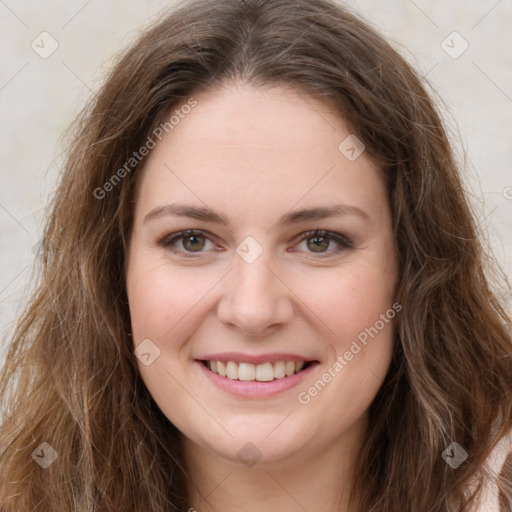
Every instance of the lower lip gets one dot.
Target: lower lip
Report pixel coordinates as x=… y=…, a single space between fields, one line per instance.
x=256 y=389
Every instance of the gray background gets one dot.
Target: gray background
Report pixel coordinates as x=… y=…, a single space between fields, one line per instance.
x=39 y=97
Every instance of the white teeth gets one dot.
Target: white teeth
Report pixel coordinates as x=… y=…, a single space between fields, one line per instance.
x=221 y=368
x=232 y=370
x=246 y=371
x=279 y=369
x=264 y=372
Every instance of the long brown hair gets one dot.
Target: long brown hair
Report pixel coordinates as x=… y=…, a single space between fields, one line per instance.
x=70 y=378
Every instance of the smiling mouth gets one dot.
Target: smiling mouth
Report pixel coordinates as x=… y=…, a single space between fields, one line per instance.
x=264 y=372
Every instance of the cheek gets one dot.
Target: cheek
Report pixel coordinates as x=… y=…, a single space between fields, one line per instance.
x=358 y=308
x=347 y=300
x=164 y=304
x=164 y=301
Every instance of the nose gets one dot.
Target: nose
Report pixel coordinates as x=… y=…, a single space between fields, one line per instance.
x=255 y=299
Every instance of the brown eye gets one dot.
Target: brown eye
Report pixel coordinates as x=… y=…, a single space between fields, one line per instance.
x=187 y=243
x=318 y=243
x=193 y=243
x=324 y=243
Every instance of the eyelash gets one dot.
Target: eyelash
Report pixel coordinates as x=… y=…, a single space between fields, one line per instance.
x=344 y=243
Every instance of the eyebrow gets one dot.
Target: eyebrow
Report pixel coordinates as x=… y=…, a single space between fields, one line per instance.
x=293 y=217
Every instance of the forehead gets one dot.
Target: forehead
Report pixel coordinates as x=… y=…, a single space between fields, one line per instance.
x=272 y=123
x=258 y=148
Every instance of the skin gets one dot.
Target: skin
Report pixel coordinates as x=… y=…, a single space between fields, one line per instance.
x=252 y=155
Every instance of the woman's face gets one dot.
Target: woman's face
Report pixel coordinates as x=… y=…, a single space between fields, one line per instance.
x=252 y=292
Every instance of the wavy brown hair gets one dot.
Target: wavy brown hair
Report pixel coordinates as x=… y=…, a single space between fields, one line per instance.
x=70 y=377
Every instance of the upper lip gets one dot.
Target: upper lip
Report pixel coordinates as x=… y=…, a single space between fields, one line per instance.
x=253 y=359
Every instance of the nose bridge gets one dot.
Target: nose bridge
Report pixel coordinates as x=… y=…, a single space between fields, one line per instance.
x=254 y=297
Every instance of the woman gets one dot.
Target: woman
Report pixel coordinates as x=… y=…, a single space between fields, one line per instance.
x=261 y=288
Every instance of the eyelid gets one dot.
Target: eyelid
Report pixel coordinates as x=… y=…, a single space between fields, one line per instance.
x=343 y=241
